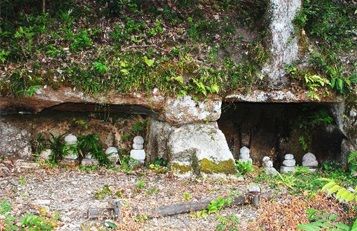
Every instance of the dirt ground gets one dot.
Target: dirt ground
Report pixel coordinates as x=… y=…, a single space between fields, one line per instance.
x=71 y=192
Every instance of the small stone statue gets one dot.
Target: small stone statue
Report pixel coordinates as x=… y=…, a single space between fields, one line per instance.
x=288 y=164
x=138 y=152
x=45 y=154
x=268 y=166
x=309 y=160
x=71 y=143
x=113 y=154
x=244 y=155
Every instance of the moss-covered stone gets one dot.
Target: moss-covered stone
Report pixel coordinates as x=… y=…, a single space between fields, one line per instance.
x=180 y=168
x=209 y=166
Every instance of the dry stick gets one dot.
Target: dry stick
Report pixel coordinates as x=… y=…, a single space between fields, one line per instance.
x=170 y=210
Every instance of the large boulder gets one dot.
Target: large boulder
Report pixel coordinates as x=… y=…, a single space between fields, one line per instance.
x=14 y=141
x=200 y=148
x=185 y=110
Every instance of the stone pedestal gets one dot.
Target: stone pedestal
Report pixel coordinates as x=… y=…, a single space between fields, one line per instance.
x=288 y=164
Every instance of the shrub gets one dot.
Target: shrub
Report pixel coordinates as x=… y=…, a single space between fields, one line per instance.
x=244 y=167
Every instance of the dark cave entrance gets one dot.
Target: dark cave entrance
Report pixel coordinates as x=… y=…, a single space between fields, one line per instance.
x=275 y=129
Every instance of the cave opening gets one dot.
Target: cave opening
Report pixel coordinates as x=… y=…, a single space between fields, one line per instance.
x=275 y=129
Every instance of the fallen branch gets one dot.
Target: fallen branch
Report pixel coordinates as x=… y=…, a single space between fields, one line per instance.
x=175 y=209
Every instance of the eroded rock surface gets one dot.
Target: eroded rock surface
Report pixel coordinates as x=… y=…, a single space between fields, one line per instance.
x=185 y=110
x=201 y=148
x=14 y=140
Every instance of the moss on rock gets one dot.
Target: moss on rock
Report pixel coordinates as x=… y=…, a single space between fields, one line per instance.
x=180 y=168
x=209 y=166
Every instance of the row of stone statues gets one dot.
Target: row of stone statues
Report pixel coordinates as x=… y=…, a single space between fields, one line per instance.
x=289 y=163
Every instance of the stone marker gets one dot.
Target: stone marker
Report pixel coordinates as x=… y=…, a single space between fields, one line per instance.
x=244 y=155
x=138 y=152
x=45 y=154
x=113 y=154
x=70 y=140
x=268 y=166
x=309 y=160
x=288 y=164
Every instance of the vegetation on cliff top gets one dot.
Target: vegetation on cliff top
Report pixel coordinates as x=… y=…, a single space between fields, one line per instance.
x=180 y=47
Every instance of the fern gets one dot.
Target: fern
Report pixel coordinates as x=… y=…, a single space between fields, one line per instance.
x=323 y=221
x=339 y=192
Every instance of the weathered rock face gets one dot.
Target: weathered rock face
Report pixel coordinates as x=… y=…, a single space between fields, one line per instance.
x=284 y=45
x=200 y=148
x=190 y=149
x=14 y=141
x=185 y=111
x=158 y=136
x=346 y=118
x=176 y=111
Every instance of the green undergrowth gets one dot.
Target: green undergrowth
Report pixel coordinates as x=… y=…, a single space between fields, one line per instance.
x=302 y=181
x=186 y=47
x=330 y=27
x=44 y=220
x=320 y=220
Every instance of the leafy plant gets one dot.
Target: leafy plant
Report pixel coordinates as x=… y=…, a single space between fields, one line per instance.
x=159 y=165
x=91 y=144
x=57 y=146
x=313 y=83
x=187 y=196
x=140 y=184
x=33 y=222
x=5 y=207
x=339 y=192
x=100 y=67
x=322 y=221
x=227 y=223
x=103 y=192
x=218 y=204
x=81 y=41
x=3 y=55
x=156 y=29
x=128 y=164
x=244 y=167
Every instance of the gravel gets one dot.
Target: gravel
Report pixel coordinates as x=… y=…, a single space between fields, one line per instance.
x=71 y=192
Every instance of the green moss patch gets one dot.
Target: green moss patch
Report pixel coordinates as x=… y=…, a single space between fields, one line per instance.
x=180 y=168
x=208 y=166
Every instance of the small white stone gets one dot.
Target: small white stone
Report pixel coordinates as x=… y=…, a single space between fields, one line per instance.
x=113 y=158
x=265 y=158
x=70 y=139
x=244 y=156
x=111 y=150
x=45 y=154
x=138 y=146
x=309 y=163
x=253 y=188
x=286 y=169
x=138 y=140
x=308 y=157
x=289 y=157
x=244 y=152
x=289 y=163
x=138 y=155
